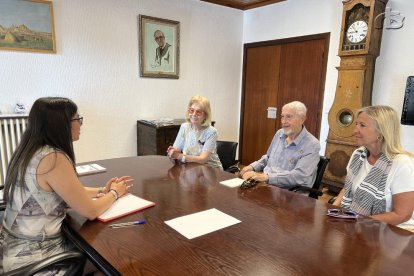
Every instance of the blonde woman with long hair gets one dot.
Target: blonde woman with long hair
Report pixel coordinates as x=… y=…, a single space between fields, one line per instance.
x=380 y=174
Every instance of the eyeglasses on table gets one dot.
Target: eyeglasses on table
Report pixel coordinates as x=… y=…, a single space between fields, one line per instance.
x=342 y=213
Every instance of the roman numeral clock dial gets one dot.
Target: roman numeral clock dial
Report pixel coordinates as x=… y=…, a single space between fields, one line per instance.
x=357 y=31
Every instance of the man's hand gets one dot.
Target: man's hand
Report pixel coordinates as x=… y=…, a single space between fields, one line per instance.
x=261 y=177
x=246 y=169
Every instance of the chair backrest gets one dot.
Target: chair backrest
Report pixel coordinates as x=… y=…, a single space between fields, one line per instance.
x=71 y=261
x=226 y=151
x=317 y=185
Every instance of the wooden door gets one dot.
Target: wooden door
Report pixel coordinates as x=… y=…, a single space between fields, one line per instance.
x=292 y=69
x=261 y=90
x=301 y=79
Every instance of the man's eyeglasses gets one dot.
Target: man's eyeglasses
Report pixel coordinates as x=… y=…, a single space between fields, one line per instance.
x=158 y=37
x=80 y=120
x=342 y=213
x=287 y=117
x=192 y=111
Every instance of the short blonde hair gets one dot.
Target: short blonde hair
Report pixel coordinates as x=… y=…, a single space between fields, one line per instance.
x=205 y=106
x=387 y=125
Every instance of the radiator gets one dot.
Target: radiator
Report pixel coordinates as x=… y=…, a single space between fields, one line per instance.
x=12 y=127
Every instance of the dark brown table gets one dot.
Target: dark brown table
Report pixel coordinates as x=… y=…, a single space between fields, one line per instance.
x=281 y=233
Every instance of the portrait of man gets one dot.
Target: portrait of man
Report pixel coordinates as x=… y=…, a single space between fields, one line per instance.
x=159 y=44
x=162 y=53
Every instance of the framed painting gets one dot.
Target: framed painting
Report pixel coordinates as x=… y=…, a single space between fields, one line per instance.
x=159 y=44
x=27 y=25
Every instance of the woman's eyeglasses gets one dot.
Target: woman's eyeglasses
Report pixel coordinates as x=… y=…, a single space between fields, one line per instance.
x=80 y=120
x=342 y=213
x=192 y=111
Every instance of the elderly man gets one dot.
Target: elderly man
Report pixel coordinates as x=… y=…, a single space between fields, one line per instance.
x=293 y=155
x=162 y=53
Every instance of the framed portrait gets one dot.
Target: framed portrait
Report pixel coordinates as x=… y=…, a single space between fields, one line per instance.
x=27 y=25
x=159 y=44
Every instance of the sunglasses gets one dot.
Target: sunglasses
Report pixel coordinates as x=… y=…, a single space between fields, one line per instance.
x=342 y=213
x=192 y=111
x=248 y=184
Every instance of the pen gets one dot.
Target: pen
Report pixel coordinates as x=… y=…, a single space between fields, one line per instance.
x=125 y=224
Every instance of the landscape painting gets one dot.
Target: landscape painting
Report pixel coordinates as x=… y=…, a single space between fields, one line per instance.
x=27 y=25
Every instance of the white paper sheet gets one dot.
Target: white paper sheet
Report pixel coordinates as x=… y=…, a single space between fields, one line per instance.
x=234 y=182
x=201 y=223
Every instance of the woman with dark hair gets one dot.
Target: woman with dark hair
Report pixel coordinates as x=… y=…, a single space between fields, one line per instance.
x=196 y=140
x=41 y=182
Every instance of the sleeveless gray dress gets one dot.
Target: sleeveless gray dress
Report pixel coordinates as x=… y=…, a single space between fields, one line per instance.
x=32 y=221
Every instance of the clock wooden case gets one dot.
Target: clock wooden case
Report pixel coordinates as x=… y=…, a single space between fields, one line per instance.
x=360 y=42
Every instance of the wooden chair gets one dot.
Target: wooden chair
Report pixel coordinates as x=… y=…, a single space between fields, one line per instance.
x=317 y=186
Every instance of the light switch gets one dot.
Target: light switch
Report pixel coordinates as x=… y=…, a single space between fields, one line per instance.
x=271 y=112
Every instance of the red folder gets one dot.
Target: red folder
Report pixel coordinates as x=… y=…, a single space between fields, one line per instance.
x=125 y=205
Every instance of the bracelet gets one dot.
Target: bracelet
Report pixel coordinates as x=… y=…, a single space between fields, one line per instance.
x=115 y=193
x=183 y=158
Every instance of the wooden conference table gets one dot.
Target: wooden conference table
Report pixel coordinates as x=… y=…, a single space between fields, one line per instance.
x=281 y=233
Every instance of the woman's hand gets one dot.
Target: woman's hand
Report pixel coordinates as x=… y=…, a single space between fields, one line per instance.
x=105 y=190
x=173 y=153
x=121 y=185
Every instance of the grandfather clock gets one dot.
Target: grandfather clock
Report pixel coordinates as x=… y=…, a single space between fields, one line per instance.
x=360 y=42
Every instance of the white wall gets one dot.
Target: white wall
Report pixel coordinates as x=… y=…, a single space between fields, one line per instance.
x=97 y=66
x=306 y=17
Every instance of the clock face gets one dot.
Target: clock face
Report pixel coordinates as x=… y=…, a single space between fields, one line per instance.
x=357 y=31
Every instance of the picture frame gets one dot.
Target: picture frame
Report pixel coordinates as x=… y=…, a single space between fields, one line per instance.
x=159 y=47
x=27 y=26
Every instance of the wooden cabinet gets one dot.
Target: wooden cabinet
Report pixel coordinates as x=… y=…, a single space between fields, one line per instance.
x=154 y=139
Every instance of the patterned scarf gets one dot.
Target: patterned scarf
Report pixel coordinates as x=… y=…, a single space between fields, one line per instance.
x=369 y=197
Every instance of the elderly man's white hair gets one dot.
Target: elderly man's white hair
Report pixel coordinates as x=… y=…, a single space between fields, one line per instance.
x=299 y=107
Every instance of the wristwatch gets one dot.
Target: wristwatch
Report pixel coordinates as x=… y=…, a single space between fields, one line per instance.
x=183 y=158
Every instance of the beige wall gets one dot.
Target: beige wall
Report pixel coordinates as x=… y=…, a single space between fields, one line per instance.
x=304 y=17
x=97 y=66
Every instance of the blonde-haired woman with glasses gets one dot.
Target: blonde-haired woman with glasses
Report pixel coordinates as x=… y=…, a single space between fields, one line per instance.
x=196 y=139
x=380 y=174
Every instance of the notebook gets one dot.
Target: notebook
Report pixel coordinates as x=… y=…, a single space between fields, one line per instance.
x=125 y=205
x=89 y=169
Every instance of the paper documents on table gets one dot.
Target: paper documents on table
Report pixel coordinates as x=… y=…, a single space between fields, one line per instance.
x=234 y=182
x=89 y=169
x=125 y=205
x=201 y=223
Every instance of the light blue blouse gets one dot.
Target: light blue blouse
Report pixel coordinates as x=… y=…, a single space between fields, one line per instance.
x=194 y=142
